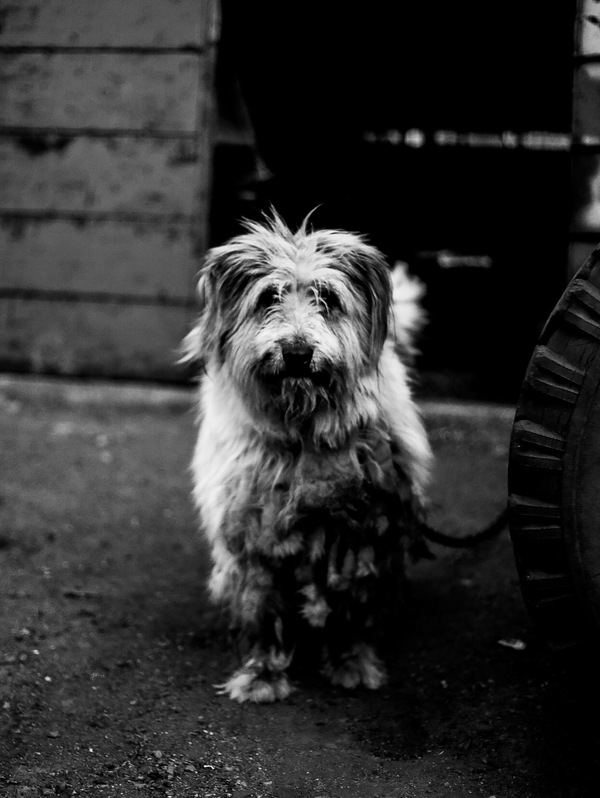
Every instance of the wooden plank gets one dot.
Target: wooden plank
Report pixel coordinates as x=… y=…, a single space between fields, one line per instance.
x=586 y=100
x=70 y=173
x=107 y=23
x=588 y=28
x=103 y=91
x=145 y=259
x=81 y=338
x=579 y=251
x=585 y=202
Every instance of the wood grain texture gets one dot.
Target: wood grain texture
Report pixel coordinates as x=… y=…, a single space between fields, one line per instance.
x=78 y=173
x=150 y=260
x=92 y=338
x=91 y=23
x=103 y=91
x=106 y=114
x=585 y=200
x=587 y=39
x=578 y=252
x=586 y=99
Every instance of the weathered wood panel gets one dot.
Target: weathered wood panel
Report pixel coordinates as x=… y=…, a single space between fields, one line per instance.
x=586 y=191
x=107 y=23
x=71 y=173
x=153 y=260
x=103 y=91
x=579 y=251
x=587 y=40
x=92 y=338
x=105 y=136
x=586 y=100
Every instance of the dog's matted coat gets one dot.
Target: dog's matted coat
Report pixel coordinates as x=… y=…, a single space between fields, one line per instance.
x=311 y=459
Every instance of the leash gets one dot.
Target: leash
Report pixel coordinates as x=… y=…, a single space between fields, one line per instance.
x=467 y=542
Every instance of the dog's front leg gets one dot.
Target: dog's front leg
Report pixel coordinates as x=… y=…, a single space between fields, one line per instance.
x=258 y=613
x=261 y=680
x=357 y=664
x=350 y=658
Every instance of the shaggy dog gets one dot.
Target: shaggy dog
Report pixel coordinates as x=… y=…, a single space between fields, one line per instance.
x=311 y=459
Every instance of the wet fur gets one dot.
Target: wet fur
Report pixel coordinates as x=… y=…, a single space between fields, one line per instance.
x=311 y=460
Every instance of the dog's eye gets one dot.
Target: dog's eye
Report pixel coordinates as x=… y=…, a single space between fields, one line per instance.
x=329 y=300
x=267 y=298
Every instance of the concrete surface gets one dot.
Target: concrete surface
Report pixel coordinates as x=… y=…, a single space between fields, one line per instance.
x=109 y=650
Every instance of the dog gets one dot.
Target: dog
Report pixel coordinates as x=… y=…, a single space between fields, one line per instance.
x=311 y=462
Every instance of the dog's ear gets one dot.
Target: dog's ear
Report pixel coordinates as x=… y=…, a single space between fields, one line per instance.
x=199 y=344
x=381 y=302
x=223 y=282
x=369 y=275
x=372 y=276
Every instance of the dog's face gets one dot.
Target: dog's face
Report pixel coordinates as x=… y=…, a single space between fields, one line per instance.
x=295 y=319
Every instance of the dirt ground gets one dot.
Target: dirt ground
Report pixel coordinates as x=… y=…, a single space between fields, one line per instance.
x=109 y=650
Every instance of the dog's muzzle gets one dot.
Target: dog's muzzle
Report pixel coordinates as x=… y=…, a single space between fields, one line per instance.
x=297 y=359
x=295 y=365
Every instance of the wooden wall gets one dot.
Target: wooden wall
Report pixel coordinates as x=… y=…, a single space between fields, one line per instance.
x=585 y=218
x=105 y=155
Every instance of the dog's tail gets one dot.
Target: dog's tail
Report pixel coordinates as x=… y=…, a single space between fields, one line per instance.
x=409 y=318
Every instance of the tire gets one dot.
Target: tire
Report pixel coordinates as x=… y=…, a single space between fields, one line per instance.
x=554 y=469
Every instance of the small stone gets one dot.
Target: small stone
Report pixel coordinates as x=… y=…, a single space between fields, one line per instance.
x=514 y=643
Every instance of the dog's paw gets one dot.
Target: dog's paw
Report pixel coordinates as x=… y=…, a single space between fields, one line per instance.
x=361 y=666
x=256 y=685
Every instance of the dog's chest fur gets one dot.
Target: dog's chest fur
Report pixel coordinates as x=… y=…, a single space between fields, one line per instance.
x=317 y=527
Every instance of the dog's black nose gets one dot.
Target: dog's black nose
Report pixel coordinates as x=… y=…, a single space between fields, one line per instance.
x=297 y=358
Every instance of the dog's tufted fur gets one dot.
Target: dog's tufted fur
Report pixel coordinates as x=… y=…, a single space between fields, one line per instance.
x=311 y=460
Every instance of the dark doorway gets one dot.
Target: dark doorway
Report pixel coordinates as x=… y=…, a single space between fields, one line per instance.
x=439 y=130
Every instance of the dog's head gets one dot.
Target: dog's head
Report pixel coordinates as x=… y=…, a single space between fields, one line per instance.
x=294 y=318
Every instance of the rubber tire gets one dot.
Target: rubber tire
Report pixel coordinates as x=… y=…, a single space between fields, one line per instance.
x=554 y=469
